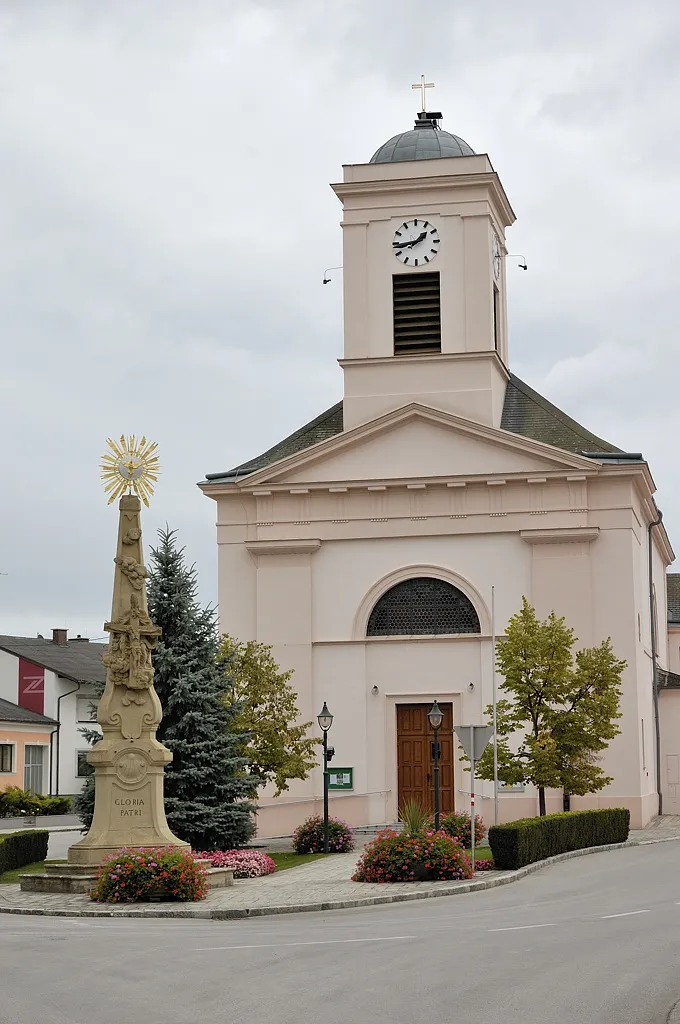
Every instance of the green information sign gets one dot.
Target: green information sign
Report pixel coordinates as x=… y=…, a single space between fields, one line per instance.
x=341 y=778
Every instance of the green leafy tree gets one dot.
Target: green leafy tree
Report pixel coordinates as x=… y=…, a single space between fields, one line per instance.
x=207 y=787
x=562 y=712
x=278 y=748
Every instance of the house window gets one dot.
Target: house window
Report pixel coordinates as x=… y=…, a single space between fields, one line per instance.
x=417 y=316
x=423 y=606
x=86 y=708
x=84 y=767
x=6 y=757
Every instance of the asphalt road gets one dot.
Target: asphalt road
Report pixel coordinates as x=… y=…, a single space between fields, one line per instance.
x=593 y=940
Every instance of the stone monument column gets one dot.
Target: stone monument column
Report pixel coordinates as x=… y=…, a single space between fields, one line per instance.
x=128 y=761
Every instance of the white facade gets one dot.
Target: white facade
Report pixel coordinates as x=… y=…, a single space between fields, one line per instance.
x=67 y=702
x=422 y=480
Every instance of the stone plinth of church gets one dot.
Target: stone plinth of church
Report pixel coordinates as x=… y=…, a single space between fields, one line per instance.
x=128 y=761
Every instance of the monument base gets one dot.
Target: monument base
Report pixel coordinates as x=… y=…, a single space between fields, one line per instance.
x=128 y=804
x=73 y=878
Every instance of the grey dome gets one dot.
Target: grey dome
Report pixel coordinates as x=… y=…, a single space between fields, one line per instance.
x=424 y=142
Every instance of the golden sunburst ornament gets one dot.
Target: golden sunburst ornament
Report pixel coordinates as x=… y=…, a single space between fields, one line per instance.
x=130 y=466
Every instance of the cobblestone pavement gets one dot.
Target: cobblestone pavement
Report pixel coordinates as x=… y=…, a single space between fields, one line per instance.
x=324 y=884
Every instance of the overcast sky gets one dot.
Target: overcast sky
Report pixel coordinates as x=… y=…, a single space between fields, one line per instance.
x=166 y=218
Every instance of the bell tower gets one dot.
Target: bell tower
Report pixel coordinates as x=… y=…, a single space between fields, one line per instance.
x=424 y=277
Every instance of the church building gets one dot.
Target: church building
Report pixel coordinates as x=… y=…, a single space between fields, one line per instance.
x=367 y=546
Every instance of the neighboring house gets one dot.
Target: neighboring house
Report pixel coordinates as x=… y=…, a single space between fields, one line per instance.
x=54 y=678
x=366 y=546
x=26 y=742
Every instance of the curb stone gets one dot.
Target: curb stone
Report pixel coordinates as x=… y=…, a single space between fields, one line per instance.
x=368 y=901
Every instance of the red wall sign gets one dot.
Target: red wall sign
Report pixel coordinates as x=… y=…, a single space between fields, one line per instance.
x=31 y=687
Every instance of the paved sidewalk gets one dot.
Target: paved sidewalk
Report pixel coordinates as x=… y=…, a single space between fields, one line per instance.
x=320 y=885
x=323 y=884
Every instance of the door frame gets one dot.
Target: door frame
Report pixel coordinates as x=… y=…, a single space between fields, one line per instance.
x=391 y=775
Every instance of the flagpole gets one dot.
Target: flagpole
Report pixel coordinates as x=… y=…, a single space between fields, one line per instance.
x=493 y=677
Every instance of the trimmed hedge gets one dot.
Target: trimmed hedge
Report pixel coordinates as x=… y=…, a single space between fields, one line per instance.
x=530 y=839
x=20 y=848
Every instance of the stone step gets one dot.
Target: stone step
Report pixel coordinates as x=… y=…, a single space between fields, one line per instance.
x=53 y=882
x=82 y=878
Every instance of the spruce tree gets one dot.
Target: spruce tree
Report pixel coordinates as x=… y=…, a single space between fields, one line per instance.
x=207 y=790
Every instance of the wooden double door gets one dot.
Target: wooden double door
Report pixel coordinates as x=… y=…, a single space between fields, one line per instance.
x=415 y=765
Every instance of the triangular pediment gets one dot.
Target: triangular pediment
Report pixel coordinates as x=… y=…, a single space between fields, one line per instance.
x=417 y=442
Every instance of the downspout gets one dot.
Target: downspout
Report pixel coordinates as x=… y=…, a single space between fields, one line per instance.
x=655 y=672
x=59 y=700
x=52 y=735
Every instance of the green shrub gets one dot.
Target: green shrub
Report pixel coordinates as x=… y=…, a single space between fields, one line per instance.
x=530 y=839
x=20 y=848
x=459 y=826
x=132 y=876
x=15 y=802
x=308 y=837
x=400 y=857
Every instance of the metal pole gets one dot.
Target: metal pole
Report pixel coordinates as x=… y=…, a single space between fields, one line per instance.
x=472 y=792
x=436 y=780
x=495 y=723
x=325 y=791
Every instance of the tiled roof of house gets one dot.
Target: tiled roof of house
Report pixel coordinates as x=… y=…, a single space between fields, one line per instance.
x=78 y=660
x=525 y=412
x=673 y=597
x=13 y=713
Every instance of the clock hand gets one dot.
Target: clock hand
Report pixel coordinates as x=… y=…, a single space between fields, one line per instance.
x=411 y=242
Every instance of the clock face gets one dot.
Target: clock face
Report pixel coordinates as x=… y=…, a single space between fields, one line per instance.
x=496 y=257
x=416 y=242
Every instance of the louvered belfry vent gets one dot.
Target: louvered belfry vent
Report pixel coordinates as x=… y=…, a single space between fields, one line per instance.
x=417 y=319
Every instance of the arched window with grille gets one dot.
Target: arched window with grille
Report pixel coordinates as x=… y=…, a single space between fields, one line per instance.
x=422 y=606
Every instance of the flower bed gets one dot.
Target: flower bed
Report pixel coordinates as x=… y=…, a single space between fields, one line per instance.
x=308 y=837
x=244 y=863
x=399 y=857
x=136 y=876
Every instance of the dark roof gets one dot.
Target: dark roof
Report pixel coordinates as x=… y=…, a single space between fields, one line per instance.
x=525 y=412
x=424 y=142
x=673 y=597
x=78 y=660
x=13 y=713
x=669 y=680
x=328 y=424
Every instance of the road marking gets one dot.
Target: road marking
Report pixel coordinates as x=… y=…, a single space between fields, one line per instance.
x=320 y=942
x=629 y=913
x=522 y=927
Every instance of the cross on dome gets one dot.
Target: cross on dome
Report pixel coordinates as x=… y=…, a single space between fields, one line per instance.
x=423 y=85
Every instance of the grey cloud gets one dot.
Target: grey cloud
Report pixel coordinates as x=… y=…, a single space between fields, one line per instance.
x=166 y=219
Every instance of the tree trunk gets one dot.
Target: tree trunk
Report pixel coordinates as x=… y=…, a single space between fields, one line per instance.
x=541 y=801
x=566 y=801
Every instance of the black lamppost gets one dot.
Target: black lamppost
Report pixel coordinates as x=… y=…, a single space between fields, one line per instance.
x=436 y=717
x=325 y=720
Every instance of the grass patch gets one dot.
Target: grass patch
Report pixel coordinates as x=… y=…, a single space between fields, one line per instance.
x=12 y=877
x=482 y=853
x=288 y=859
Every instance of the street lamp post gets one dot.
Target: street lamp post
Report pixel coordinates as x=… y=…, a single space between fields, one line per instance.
x=435 y=717
x=325 y=720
